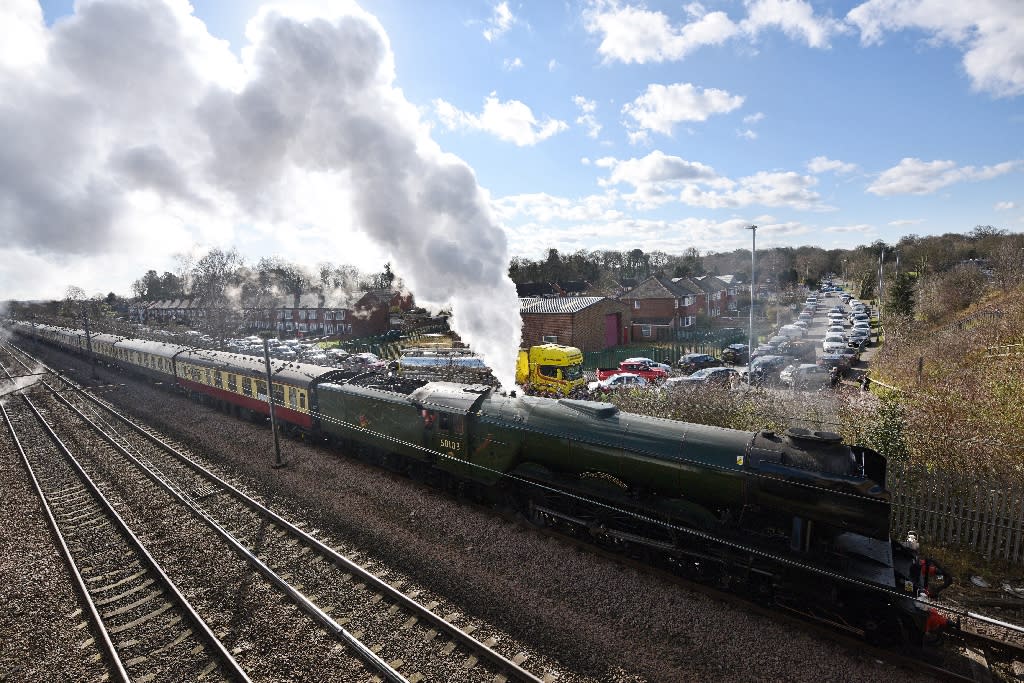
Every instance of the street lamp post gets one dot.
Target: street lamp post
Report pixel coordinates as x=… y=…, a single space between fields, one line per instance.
x=753 y=282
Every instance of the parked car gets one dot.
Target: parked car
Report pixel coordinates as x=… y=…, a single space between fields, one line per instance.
x=835 y=360
x=650 y=363
x=792 y=332
x=833 y=342
x=715 y=376
x=735 y=354
x=623 y=380
x=766 y=369
x=692 y=362
x=839 y=329
x=805 y=376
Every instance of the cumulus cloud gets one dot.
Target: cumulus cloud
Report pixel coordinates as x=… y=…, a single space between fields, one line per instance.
x=904 y=222
x=914 y=176
x=661 y=107
x=636 y=35
x=824 y=165
x=632 y=34
x=586 y=117
x=511 y=121
x=658 y=179
x=990 y=33
x=512 y=64
x=1005 y=206
x=751 y=119
x=138 y=131
x=746 y=134
x=500 y=22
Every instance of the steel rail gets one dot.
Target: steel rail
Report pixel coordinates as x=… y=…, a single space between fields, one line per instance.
x=183 y=603
x=304 y=603
x=455 y=633
x=76 y=573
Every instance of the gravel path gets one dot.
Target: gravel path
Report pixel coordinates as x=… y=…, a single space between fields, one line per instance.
x=590 y=617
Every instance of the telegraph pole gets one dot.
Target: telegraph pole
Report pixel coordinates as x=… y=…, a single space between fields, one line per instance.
x=270 y=399
x=753 y=282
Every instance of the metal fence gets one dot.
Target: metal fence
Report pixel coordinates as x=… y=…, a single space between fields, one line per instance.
x=981 y=516
x=663 y=352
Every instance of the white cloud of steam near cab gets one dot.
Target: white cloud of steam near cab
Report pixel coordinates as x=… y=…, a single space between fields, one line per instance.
x=134 y=111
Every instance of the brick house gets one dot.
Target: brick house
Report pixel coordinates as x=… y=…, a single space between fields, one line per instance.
x=661 y=305
x=590 y=323
x=717 y=292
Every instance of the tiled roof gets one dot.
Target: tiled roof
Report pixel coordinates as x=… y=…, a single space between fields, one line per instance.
x=563 y=304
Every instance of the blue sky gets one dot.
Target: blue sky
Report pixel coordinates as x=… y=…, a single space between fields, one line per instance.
x=668 y=125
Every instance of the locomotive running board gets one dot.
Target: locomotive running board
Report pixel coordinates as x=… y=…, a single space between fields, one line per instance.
x=596 y=530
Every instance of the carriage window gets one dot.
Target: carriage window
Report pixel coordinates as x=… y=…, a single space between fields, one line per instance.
x=232 y=383
x=428 y=419
x=261 y=388
x=218 y=378
x=247 y=386
x=278 y=394
x=302 y=400
x=444 y=422
x=293 y=399
x=456 y=424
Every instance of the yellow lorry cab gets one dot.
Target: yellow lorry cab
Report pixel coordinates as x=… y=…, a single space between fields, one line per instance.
x=551 y=368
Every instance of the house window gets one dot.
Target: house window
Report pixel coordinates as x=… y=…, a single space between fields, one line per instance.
x=330 y=329
x=289 y=326
x=732 y=305
x=339 y=315
x=302 y=327
x=636 y=304
x=302 y=314
x=688 y=301
x=645 y=330
x=689 y=320
x=550 y=339
x=676 y=302
x=328 y=315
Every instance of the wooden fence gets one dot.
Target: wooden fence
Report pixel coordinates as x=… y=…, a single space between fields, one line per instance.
x=981 y=516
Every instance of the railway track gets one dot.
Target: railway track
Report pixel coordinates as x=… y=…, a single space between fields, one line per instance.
x=144 y=627
x=397 y=637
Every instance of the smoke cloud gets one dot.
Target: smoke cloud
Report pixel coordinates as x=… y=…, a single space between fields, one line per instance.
x=132 y=127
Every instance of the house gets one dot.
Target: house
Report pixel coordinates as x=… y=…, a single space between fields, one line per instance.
x=661 y=306
x=590 y=323
x=721 y=297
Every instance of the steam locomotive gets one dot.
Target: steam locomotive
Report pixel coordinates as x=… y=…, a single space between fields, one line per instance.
x=796 y=519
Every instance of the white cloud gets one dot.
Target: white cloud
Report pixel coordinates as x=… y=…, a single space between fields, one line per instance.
x=747 y=134
x=824 y=164
x=552 y=64
x=904 y=222
x=751 y=119
x=586 y=117
x=140 y=134
x=585 y=161
x=637 y=35
x=511 y=121
x=658 y=179
x=1005 y=206
x=23 y=37
x=860 y=227
x=989 y=32
x=512 y=64
x=795 y=18
x=663 y=106
x=500 y=22
x=913 y=176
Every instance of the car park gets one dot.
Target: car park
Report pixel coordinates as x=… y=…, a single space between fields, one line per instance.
x=766 y=369
x=838 y=328
x=839 y=361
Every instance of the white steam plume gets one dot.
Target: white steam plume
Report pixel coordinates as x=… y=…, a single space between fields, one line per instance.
x=133 y=131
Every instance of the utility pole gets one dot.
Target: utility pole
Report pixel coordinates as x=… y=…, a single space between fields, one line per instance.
x=753 y=288
x=270 y=399
x=881 y=275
